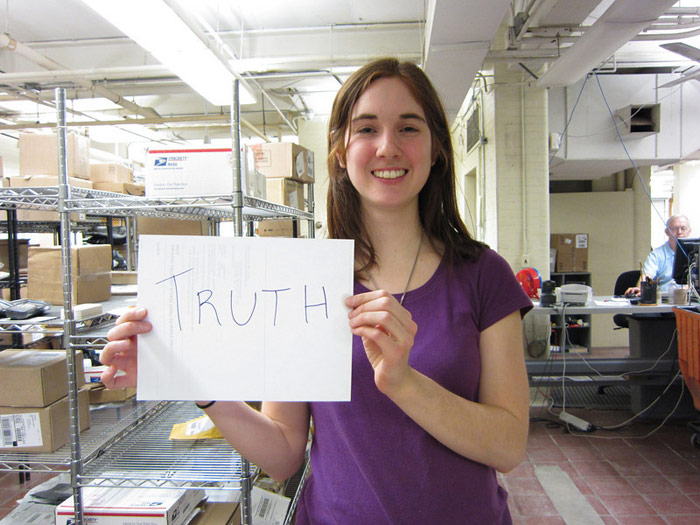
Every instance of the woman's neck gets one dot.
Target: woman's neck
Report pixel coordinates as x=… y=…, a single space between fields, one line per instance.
x=399 y=244
x=393 y=234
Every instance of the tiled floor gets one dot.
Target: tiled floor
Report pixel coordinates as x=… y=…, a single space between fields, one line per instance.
x=625 y=480
x=11 y=489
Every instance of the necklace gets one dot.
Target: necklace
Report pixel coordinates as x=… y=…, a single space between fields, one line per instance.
x=410 y=275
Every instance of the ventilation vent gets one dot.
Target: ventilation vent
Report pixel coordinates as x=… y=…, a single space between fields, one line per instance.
x=473 y=130
x=639 y=120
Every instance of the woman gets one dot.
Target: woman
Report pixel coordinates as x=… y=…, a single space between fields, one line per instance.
x=439 y=388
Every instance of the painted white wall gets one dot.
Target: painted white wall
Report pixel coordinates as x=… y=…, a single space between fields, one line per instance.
x=686 y=194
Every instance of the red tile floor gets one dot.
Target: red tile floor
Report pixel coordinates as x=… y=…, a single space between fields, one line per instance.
x=626 y=480
x=11 y=489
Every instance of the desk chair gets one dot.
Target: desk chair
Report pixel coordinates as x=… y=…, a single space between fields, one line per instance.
x=624 y=280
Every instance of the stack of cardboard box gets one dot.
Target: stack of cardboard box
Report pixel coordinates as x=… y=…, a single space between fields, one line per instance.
x=115 y=178
x=34 y=402
x=288 y=168
x=569 y=251
x=38 y=167
x=91 y=267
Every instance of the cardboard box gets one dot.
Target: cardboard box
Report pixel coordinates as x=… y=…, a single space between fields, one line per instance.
x=124 y=277
x=35 y=378
x=147 y=506
x=91 y=274
x=99 y=394
x=41 y=429
x=22 y=254
x=157 y=226
x=38 y=154
x=111 y=173
x=174 y=173
x=121 y=187
x=92 y=288
x=284 y=160
x=218 y=513
x=276 y=228
x=285 y=191
x=30 y=181
x=572 y=251
x=86 y=259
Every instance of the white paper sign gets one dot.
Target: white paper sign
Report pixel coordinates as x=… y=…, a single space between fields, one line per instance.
x=245 y=318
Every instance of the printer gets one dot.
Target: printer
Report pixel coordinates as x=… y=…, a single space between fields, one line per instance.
x=575 y=294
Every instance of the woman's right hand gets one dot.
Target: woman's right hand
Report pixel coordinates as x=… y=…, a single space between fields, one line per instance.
x=121 y=351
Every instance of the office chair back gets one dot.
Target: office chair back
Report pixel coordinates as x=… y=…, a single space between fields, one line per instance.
x=626 y=280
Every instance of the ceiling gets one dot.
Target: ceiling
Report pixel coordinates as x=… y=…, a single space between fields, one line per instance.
x=293 y=56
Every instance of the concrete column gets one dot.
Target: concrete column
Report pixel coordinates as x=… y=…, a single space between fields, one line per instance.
x=522 y=171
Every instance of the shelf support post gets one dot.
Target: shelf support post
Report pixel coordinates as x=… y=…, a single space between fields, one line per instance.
x=68 y=321
x=237 y=196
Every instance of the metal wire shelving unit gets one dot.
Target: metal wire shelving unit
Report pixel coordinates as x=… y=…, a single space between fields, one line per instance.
x=147 y=458
x=104 y=203
x=129 y=447
x=107 y=425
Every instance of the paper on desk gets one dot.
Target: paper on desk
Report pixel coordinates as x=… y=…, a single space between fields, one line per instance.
x=244 y=318
x=611 y=301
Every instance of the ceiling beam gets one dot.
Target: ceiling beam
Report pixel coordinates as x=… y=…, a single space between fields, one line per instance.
x=458 y=33
x=621 y=22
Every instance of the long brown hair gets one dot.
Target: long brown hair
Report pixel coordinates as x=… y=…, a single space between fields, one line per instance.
x=437 y=200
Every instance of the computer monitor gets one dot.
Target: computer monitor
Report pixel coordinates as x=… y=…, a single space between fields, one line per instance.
x=687 y=251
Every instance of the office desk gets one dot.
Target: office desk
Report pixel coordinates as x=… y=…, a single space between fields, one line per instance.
x=603 y=305
x=600 y=305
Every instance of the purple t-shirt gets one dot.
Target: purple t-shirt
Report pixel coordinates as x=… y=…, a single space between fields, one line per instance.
x=370 y=462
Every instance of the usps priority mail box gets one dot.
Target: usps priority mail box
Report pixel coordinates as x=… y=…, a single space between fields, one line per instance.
x=195 y=172
x=176 y=173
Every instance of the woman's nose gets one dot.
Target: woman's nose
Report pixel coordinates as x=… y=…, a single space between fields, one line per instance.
x=388 y=145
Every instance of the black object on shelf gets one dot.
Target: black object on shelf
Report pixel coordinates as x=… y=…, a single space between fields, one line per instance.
x=548 y=297
x=26 y=308
x=4 y=305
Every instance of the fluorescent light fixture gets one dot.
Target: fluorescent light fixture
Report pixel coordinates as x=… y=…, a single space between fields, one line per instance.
x=157 y=29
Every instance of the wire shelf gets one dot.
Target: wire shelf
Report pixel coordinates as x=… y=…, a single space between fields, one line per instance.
x=146 y=457
x=105 y=203
x=107 y=424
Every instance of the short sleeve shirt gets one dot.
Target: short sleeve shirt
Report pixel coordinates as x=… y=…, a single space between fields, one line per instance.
x=370 y=462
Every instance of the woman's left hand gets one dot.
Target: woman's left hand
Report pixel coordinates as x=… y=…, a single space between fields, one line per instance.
x=387 y=331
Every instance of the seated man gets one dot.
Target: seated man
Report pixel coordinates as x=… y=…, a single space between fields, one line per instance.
x=659 y=263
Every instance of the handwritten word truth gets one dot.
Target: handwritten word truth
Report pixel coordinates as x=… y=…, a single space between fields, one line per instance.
x=207 y=307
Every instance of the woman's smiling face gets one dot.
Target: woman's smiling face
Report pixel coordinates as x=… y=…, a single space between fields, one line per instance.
x=388 y=145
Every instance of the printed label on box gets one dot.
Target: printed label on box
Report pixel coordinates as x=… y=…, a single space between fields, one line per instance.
x=21 y=430
x=581 y=240
x=263 y=158
x=268 y=508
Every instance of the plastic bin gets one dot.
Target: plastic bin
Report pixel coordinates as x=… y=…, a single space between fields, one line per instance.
x=688 y=323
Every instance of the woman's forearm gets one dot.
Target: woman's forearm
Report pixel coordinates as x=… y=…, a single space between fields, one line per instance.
x=274 y=439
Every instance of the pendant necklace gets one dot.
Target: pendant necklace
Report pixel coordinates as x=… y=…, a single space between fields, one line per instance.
x=410 y=275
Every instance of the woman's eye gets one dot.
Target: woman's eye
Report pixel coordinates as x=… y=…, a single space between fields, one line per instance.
x=364 y=130
x=409 y=129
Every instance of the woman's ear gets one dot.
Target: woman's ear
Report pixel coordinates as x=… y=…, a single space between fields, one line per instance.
x=435 y=155
x=338 y=156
